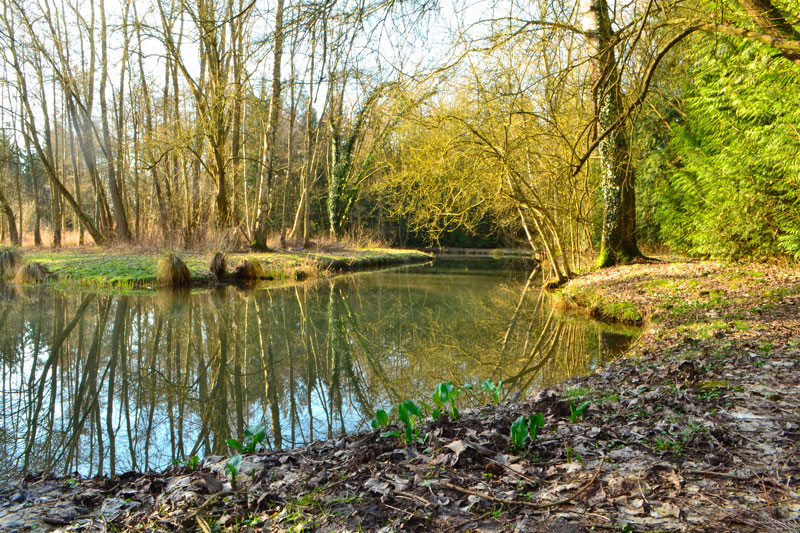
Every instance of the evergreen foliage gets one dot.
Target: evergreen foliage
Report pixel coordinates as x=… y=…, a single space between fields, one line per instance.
x=730 y=185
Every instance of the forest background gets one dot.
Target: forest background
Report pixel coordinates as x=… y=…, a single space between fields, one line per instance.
x=577 y=127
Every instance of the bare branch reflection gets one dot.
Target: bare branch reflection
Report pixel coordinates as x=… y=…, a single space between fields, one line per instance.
x=109 y=383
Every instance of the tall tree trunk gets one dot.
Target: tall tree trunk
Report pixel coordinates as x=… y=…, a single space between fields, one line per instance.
x=37 y=221
x=290 y=145
x=237 y=48
x=123 y=232
x=619 y=197
x=17 y=164
x=306 y=176
x=260 y=238
x=56 y=214
x=148 y=124
x=75 y=171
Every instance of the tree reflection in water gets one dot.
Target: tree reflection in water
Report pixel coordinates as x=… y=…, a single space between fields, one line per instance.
x=105 y=383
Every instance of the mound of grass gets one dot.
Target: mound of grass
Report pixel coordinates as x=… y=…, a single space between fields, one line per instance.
x=173 y=272
x=249 y=269
x=10 y=258
x=217 y=266
x=31 y=273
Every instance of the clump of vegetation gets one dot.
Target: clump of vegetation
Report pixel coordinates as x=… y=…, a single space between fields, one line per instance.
x=10 y=258
x=31 y=273
x=445 y=395
x=172 y=272
x=624 y=312
x=307 y=270
x=217 y=266
x=408 y=413
x=524 y=428
x=600 y=306
x=249 y=269
x=189 y=462
x=578 y=392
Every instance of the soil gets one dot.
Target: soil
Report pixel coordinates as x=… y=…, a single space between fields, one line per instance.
x=696 y=429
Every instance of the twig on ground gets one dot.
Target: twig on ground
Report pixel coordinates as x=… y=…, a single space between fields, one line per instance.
x=536 y=506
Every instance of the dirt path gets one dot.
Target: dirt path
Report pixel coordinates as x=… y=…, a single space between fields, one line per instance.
x=696 y=430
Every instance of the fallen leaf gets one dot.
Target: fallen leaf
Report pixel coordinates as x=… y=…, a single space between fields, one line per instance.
x=213 y=485
x=376 y=485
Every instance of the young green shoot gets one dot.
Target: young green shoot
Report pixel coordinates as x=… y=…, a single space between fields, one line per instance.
x=232 y=468
x=577 y=412
x=381 y=419
x=445 y=395
x=524 y=428
x=519 y=433
x=534 y=423
x=408 y=413
x=489 y=386
x=253 y=436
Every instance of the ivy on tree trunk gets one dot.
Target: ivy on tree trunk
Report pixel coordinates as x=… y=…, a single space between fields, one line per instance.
x=618 y=243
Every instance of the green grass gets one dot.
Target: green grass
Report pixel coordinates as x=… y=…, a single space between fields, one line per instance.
x=621 y=312
x=578 y=392
x=122 y=271
x=600 y=306
x=99 y=269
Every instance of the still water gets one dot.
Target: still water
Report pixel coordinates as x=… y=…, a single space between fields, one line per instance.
x=106 y=383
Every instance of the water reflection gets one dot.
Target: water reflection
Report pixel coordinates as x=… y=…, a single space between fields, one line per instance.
x=109 y=383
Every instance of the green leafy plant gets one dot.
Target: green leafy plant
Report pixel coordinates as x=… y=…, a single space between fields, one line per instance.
x=445 y=395
x=381 y=419
x=253 y=435
x=524 y=428
x=232 y=468
x=534 y=423
x=191 y=462
x=408 y=413
x=519 y=432
x=489 y=386
x=577 y=412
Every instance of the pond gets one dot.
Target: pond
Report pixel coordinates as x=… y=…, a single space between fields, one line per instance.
x=107 y=383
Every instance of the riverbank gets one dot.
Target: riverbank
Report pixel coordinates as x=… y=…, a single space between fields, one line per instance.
x=696 y=429
x=121 y=269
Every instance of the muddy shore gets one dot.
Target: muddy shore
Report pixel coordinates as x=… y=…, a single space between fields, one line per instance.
x=696 y=429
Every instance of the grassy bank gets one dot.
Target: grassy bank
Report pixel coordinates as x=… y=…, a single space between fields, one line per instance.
x=128 y=270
